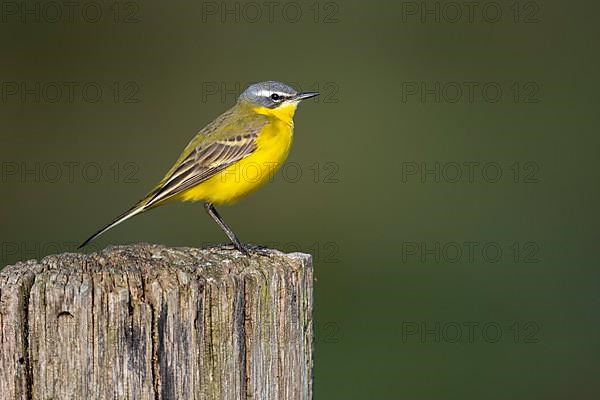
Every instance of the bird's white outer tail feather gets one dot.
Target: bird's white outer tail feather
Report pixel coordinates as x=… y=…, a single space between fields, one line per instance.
x=123 y=217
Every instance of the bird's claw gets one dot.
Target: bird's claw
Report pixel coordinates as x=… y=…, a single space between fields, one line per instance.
x=248 y=250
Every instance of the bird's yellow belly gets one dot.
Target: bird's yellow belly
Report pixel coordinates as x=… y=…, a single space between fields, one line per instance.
x=240 y=179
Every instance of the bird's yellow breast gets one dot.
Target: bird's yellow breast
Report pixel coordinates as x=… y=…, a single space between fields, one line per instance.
x=240 y=179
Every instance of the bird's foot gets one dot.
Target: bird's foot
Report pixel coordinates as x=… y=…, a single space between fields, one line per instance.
x=248 y=250
x=242 y=249
x=260 y=251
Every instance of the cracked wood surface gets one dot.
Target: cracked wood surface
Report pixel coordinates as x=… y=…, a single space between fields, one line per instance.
x=157 y=323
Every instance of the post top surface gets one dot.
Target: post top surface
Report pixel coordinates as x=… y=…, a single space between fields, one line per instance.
x=151 y=258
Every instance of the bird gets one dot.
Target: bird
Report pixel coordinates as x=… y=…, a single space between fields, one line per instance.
x=229 y=158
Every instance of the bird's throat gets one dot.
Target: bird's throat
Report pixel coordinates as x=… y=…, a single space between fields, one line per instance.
x=284 y=113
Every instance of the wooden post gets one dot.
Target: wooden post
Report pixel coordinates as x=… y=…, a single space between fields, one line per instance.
x=151 y=322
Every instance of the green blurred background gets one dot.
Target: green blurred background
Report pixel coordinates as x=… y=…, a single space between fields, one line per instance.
x=378 y=184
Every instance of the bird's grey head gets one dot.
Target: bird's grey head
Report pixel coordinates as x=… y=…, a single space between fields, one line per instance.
x=272 y=94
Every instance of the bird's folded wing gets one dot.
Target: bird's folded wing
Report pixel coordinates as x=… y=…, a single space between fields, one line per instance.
x=203 y=162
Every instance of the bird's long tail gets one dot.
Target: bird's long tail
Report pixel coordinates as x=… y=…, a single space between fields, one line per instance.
x=138 y=208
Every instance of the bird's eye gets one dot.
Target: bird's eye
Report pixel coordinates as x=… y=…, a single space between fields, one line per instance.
x=275 y=97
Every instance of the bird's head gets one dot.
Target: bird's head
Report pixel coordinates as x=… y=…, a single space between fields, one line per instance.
x=274 y=99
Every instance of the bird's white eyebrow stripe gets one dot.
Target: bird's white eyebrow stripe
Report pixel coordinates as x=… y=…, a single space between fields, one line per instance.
x=267 y=93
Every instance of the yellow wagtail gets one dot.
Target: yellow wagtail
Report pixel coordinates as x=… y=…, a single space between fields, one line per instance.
x=254 y=135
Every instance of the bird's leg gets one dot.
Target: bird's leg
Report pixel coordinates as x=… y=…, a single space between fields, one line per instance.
x=212 y=211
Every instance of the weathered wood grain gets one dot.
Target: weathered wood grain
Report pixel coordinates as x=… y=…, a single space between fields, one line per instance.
x=150 y=322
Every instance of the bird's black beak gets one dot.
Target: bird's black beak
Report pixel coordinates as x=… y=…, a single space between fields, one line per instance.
x=306 y=95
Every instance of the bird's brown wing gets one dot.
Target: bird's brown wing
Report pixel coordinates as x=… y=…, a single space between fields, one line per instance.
x=203 y=163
